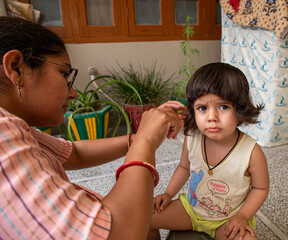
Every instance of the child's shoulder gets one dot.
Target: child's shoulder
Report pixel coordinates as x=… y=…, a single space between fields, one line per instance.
x=194 y=135
x=247 y=139
x=194 y=138
x=251 y=143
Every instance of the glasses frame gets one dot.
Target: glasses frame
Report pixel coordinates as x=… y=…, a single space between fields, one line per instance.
x=70 y=83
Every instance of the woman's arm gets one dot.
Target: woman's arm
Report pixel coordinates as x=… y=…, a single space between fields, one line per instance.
x=258 y=171
x=89 y=153
x=130 y=200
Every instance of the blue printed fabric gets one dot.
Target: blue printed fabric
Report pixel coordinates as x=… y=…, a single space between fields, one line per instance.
x=267 y=14
x=263 y=58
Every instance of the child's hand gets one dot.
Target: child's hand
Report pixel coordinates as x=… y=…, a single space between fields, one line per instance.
x=161 y=201
x=237 y=224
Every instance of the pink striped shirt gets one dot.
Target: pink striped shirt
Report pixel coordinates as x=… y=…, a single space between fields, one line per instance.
x=37 y=200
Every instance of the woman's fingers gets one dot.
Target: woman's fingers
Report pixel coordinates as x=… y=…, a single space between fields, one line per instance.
x=176 y=105
x=157 y=124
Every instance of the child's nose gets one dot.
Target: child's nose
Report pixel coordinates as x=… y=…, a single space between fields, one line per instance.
x=212 y=115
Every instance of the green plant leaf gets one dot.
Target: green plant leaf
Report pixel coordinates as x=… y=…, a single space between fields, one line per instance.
x=151 y=84
x=88 y=99
x=188 y=51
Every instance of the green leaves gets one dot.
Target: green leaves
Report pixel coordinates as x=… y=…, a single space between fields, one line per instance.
x=88 y=101
x=151 y=84
x=188 y=68
x=188 y=29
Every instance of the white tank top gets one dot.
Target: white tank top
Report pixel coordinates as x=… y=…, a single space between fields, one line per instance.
x=218 y=196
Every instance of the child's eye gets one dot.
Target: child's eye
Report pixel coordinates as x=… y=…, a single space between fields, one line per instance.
x=223 y=107
x=202 y=108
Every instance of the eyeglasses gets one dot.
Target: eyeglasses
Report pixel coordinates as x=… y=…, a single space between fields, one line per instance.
x=71 y=77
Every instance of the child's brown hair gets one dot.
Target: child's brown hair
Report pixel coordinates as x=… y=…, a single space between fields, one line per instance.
x=227 y=82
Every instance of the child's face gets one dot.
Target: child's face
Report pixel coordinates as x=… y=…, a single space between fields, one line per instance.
x=215 y=117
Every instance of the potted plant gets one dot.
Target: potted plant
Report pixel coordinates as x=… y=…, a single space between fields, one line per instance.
x=88 y=115
x=188 y=68
x=151 y=84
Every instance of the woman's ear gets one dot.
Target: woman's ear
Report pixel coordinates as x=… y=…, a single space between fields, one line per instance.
x=12 y=63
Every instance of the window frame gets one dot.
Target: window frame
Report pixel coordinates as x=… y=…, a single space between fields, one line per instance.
x=75 y=28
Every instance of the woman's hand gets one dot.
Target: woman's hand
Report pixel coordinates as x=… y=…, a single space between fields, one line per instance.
x=176 y=105
x=237 y=224
x=157 y=124
x=161 y=201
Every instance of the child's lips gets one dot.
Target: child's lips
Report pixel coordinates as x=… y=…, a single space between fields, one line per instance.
x=214 y=129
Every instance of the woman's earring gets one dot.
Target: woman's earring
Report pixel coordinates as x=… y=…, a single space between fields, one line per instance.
x=19 y=83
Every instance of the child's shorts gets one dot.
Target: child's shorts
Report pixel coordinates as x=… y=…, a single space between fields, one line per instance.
x=201 y=225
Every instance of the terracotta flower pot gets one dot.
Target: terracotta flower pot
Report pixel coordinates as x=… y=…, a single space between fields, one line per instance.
x=135 y=112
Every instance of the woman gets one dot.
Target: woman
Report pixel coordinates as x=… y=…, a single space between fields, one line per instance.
x=37 y=201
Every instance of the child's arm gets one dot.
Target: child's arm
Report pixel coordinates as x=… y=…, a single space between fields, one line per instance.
x=258 y=171
x=179 y=178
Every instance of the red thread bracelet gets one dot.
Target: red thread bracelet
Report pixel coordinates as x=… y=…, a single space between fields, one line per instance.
x=139 y=163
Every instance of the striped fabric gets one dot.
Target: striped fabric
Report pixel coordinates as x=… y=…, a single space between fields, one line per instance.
x=37 y=201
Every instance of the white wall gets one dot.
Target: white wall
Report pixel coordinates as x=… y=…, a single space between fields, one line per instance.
x=167 y=53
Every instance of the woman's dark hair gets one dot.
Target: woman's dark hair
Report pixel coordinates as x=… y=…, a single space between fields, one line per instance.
x=30 y=39
x=227 y=82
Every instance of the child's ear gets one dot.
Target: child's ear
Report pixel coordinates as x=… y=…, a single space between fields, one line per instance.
x=12 y=63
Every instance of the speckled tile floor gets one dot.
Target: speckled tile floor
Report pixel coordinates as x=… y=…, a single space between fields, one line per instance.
x=272 y=219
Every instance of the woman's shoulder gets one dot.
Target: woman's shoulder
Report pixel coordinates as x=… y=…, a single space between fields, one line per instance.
x=13 y=127
x=59 y=146
x=9 y=121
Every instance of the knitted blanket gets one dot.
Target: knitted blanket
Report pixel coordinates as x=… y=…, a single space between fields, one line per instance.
x=267 y=14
